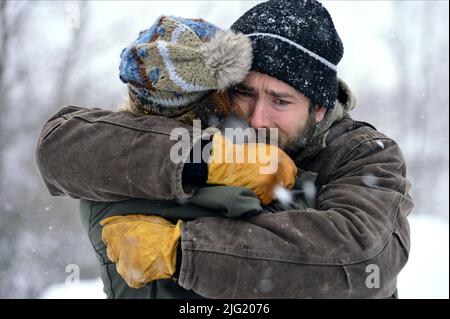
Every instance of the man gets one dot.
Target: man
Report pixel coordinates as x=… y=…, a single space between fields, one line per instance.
x=353 y=245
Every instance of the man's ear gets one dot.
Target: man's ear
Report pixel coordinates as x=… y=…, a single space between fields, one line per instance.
x=320 y=113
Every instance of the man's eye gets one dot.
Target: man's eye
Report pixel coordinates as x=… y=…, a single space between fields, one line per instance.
x=282 y=102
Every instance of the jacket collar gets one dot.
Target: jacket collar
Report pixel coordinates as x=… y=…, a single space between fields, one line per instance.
x=335 y=123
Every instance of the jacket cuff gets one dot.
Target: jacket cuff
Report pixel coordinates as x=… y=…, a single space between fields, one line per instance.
x=183 y=276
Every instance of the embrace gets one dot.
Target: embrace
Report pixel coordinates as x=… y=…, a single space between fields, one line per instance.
x=176 y=217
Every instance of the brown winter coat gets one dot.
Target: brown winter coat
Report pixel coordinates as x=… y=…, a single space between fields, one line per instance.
x=360 y=223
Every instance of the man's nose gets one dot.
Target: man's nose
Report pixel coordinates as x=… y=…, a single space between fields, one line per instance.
x=259 y=118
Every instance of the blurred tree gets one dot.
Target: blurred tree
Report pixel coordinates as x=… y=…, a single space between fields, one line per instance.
x=39 y=235
x=11 y=22
x=419 y=47
x=415 y=110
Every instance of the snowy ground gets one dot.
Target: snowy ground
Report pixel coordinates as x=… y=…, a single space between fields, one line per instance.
x=425 y=275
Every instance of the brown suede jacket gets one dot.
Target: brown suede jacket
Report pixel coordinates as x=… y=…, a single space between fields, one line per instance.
x=352 y=246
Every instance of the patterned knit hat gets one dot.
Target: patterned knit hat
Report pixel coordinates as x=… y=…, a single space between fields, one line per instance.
x=295 y=41
x=177 y=62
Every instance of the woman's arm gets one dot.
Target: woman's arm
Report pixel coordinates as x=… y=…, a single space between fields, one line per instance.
x=103 y=155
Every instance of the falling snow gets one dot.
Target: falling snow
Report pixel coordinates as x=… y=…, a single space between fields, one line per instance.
x=380 y=144
x=310 y=189
x=370 y=180
x=283 y=195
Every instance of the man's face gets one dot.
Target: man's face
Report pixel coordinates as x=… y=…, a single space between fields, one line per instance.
x=271 y=103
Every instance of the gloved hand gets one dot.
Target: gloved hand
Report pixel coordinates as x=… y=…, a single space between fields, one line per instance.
x=143 y=247
x=258 y=176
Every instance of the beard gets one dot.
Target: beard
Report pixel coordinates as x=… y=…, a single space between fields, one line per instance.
x=302 y=138
x=291 y=145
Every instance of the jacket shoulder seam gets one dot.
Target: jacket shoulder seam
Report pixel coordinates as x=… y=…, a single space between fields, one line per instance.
x=357 y=143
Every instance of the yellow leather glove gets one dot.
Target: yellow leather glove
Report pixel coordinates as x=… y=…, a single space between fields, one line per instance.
x=143 y=247
x=249 y=172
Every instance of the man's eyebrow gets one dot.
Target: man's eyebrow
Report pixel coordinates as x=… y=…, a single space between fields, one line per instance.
x=245 y=87
x=280 y=94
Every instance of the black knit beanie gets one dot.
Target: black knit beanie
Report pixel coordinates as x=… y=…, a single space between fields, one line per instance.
x=295 y=41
